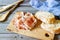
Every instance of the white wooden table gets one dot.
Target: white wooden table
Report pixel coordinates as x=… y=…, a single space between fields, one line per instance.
x=6 y=35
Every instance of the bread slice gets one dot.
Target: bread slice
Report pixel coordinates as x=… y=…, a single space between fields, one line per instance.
x=45 y=17
x=53 y=28
x=57 y=27
x=37 y=32
x=48 y=27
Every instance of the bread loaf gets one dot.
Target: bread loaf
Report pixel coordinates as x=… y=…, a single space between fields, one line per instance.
x=53 y=28
x=45 y=17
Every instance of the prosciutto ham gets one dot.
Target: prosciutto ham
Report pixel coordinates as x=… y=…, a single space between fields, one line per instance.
x=24 y=21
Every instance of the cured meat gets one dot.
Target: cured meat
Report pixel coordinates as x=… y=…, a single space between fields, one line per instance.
x=24 y=21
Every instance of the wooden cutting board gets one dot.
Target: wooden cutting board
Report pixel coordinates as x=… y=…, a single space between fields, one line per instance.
x=37 y=32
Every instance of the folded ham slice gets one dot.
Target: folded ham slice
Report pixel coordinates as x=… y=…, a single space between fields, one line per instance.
x=24 y=20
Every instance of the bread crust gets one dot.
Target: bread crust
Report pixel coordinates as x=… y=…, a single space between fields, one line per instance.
x=45 y=17
x=53 y=28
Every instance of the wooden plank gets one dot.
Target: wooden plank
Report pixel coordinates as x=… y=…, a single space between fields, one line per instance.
x=7 y=2
x=3 y=29
x=8 y=35
x=8 y=38
x=18 y=36
x=26 y=37
x=15 y=37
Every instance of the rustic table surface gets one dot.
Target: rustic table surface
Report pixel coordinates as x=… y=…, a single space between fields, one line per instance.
x=6 y=35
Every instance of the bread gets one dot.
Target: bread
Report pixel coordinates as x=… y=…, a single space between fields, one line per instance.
x=48 y=27
x=36 y=32
x=53 y=28
x=57 y=27
x=45 y=17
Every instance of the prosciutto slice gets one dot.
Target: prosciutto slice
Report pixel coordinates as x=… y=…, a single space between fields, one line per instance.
x=24 y=21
